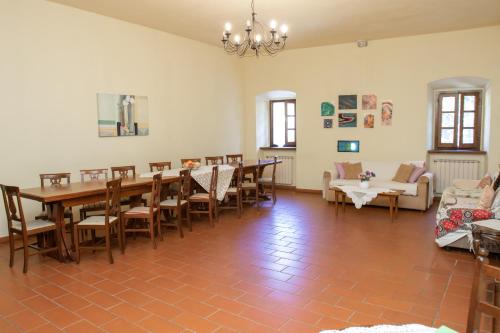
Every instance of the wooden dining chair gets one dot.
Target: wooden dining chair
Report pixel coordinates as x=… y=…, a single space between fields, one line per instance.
x=92 y=175
x=268 y=184
x=108 y=223
x=484 y=298
x=210 y=199
x=234 y=158
x=214 y=160
x=145 y=219
x=127 y=171
x=254 y=187
x=184 y=160
x=17 y=225
x=159 y=166
x=235 y=192
x=178 y=204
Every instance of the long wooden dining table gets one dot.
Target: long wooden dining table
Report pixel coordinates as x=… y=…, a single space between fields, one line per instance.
x=58 y=198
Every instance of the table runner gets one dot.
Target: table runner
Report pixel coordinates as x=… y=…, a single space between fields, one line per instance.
x=361 y=196
x=202 y=176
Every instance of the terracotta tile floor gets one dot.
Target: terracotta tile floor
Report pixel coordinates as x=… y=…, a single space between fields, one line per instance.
x=291 y=268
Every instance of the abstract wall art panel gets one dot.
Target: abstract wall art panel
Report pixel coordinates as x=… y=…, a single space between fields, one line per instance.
x=327 y=109
x=348 y=102
x=369 y=121
x=369 y=102
x=387 y=107
x=348 y=120
x=122 y=115
x=327 y=123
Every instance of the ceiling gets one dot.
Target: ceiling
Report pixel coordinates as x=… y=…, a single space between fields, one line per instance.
x=311 y=22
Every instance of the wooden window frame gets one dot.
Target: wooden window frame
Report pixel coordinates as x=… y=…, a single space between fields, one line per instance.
x=286 y=101
x=458 y=128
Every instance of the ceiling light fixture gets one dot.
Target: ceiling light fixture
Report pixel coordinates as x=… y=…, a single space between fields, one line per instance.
x=257 y=40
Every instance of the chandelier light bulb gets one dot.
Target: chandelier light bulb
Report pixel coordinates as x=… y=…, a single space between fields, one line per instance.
x=237 y=39
x=258 y=38
x=273 y=24
x=249 y=24
x=284 y=29
x=228 y=26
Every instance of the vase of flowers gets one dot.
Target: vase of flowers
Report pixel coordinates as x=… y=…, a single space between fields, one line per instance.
x=364 y=179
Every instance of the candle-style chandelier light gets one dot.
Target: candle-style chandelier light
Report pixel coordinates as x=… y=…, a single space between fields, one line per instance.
x=257 y=40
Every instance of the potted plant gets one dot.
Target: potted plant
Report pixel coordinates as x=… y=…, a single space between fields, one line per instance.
x=365 y=179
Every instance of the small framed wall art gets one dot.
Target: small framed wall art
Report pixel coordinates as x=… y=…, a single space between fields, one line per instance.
x=348 y=102
x=327 y=109
x=348 y=120
x=348 y=146
x=327 y=123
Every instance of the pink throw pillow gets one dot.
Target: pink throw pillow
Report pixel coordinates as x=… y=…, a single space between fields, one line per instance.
x=486 y=198
x=486 y=180
x=340 y=170
x=415 y=175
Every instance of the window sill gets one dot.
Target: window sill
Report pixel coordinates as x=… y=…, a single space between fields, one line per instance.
x=457 y=151
x=278 y=148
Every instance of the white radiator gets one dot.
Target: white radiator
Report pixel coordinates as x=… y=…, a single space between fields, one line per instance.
x=284 y=170
x=446 y=170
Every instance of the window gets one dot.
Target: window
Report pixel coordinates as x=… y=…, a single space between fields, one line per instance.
x=283 y=131
x=458 y=120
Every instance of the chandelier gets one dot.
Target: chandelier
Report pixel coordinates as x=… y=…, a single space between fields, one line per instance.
x=257 y=41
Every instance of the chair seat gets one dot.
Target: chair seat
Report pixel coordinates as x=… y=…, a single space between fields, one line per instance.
x=97 y=220
x=171 y=203
x=248 y=185
x=265 y=180
x=232 y=190
x=199 y=196
x=139 y=211
x=33 y=225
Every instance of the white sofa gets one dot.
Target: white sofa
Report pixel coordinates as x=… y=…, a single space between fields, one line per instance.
x=418 y=196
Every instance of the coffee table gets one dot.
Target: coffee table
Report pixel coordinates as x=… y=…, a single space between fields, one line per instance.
x=392 y=196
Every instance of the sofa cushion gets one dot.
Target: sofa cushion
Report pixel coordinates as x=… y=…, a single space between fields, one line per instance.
x=340 y=170
x=352 y=170
x=415 y=175
x=486 y=199
x=407 y=188
x=404 y=172
x=486 y=180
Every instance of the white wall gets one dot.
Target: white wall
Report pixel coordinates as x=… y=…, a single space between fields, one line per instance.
x=398 y=69
x=53 y=61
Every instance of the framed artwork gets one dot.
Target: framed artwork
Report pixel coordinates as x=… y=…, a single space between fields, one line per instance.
x=348 y=146
x=387 y=107
x=369 y=102
x=327 y=109
x=348 y=102
x=122 y=115
x=369 y=120
x=327 y=123
x=348 y=120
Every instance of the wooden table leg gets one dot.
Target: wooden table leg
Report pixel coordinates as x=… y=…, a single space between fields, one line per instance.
x=343 y=202
x=397 y=205
x=391 y=214
x=57 y=215
x=336 y=203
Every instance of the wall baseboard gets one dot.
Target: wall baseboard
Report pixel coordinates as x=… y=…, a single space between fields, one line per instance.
x=285 y=187
x=306 y=190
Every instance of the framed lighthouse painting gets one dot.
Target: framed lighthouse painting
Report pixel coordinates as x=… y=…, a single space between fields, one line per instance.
x=122 y=115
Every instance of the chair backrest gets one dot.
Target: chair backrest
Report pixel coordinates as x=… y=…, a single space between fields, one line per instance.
x=212 y=193
x=55 y=179
x=13 y=206
x=113 y=206
x=160 y=166
x=483 y=296
x=155 y=192
x=275 y=164
x=239 y=175
x=184 y=186
x=214 y=160
x=93 y=174
x=184 y=160
x=233 y=158
x=123 y=171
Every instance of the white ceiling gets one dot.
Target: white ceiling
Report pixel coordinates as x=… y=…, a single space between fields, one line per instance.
x=311 y=22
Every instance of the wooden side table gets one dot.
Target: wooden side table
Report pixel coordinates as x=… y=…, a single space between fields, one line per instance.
x=392 y=196
x=485 y=234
